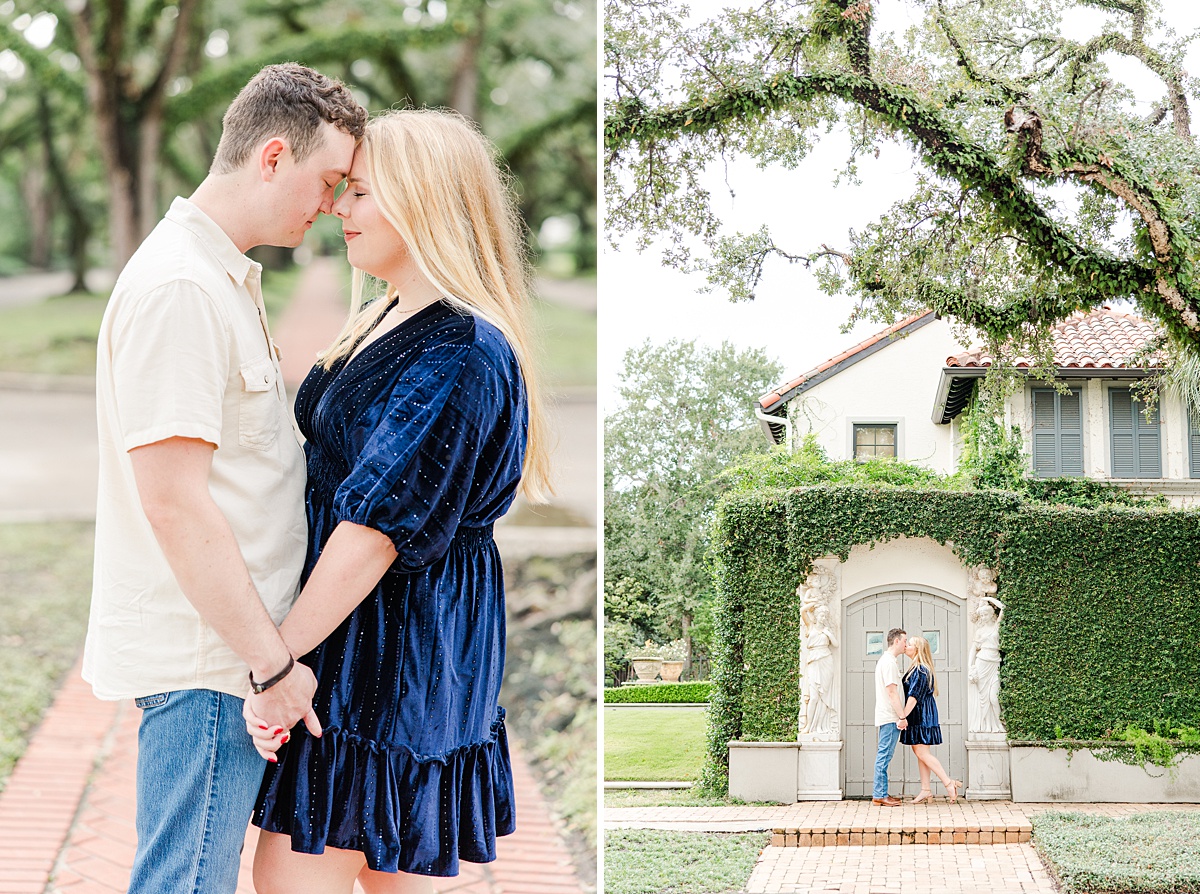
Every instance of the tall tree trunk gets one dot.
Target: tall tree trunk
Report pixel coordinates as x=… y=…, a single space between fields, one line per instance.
x=686 y=624
x=464 y=93
x=38 y=203
x=128 y=119
x=79 y=227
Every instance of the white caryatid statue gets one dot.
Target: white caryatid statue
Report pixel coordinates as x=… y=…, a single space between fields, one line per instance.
x=819 y=708
x=820 y=677
x=983 y=668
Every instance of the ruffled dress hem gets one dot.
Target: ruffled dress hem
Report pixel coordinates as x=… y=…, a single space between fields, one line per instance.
x=405 y=812
x=921 y=735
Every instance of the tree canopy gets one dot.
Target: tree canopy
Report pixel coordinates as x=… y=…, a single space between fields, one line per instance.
x=108 y=108
x=685 y=415
x=1043 y=187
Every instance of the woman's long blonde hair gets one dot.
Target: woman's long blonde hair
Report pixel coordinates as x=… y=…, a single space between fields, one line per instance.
x=437 y=180
x=923 y=658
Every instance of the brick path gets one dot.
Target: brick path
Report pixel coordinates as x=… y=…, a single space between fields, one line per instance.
x=66 y=815
x=855 y=847
x=952 y=869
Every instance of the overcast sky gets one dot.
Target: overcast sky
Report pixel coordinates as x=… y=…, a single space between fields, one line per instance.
x=795 y=322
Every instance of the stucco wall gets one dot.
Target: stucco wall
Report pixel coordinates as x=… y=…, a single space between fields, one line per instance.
x=905 y=560
x=896 y=384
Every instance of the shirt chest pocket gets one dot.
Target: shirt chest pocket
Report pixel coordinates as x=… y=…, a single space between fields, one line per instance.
x=259 y=411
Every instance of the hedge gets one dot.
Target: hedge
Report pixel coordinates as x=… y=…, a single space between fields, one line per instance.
x=660 y=693
x=1102 y=605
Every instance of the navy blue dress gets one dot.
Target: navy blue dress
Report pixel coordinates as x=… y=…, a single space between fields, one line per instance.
x=421 y=436
x=923 y=727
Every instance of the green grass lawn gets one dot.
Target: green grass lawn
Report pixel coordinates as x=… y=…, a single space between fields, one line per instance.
x=654 y=744
x=568 y=349
x=1146 y=853
x=650 y=797
x=45 y=586
x=648 y=861
x=58 y=336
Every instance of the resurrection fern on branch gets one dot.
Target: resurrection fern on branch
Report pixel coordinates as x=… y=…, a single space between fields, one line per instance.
x=995 y=103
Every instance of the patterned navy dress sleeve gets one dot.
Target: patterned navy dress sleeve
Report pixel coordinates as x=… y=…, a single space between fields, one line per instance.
x=414 y=477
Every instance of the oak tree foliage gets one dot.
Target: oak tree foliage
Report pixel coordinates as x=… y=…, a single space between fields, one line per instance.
x=1044 y=187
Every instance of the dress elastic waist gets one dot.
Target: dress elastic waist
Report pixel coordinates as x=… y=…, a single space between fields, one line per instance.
x=473 y=536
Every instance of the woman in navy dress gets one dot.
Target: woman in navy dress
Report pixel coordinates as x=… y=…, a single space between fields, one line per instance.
x=920 y=709
x=422 y=425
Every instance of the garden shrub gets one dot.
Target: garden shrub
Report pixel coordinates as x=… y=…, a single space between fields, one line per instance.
x=660 y=693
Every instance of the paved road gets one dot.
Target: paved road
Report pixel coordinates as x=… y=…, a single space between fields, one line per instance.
x=29 y=288
x=48 y=455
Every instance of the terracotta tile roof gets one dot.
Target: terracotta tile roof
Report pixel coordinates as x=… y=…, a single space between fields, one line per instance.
x=784 y=391
x=1101 y=339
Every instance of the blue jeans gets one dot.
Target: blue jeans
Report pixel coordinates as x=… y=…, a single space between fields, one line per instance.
x=889 y=735
x=197 y=780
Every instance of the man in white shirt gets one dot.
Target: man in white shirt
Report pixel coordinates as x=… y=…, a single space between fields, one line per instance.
x=889 y=713
x=200 y=525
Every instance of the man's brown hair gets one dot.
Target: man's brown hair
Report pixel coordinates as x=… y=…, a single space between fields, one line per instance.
x=894 y=634
x=287 y=100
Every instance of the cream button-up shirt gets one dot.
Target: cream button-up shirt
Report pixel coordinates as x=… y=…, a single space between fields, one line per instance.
x=184 y=351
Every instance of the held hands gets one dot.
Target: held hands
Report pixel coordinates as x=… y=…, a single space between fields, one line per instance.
x=271 y=714
x=902 y=723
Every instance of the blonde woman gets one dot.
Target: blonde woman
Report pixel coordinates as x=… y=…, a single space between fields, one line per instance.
x=920 y=709
x=422 y=424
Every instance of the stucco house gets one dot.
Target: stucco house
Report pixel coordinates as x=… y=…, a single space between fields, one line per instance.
x=901 y=392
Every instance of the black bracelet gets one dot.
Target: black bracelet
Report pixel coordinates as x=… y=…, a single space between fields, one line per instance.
x=260 y=688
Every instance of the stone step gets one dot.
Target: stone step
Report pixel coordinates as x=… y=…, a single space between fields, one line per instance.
x=927 y=833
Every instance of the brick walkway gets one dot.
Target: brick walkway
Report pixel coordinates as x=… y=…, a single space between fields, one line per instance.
x=952 y=869
x=66 y=816
x=855 y=847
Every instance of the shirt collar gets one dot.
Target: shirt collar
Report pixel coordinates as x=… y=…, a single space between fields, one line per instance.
x=188 y=216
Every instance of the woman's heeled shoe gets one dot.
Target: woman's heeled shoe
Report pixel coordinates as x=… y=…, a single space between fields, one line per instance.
x=925 y=795
x=953 y=789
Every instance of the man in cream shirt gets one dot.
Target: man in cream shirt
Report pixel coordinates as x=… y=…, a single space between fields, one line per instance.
x=889 y=713
x=200 y=526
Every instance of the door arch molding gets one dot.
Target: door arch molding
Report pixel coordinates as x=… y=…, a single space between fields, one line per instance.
x=866 y=616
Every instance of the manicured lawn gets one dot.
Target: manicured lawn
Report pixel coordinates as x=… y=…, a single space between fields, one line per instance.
x=58 y=336
x=654 y=744
x=649 y=797
x=1146 y=853
x=568 y=344
x=648 y=861
x=45 y=586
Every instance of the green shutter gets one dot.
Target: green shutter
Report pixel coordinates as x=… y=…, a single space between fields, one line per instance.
x=1136 y=442
x=1193 y=444
x=1070 y=433
x=1057 y=433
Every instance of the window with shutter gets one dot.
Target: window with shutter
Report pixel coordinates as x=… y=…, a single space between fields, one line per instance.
x=1136 y=440
x=1057 y=433
x=1193 y=444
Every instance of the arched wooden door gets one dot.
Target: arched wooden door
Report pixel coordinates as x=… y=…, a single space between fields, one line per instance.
x=866 y=622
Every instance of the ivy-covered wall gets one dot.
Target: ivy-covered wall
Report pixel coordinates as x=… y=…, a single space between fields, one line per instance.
x=1102 y=620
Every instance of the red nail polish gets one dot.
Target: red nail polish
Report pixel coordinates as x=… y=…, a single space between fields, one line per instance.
x=272 y=758
x=285 y=739
x=277 y=731
x=260 y=726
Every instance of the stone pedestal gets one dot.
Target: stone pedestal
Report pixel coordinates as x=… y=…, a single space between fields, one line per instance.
x=989 y=767
x=819 y=771
x=763 y=771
